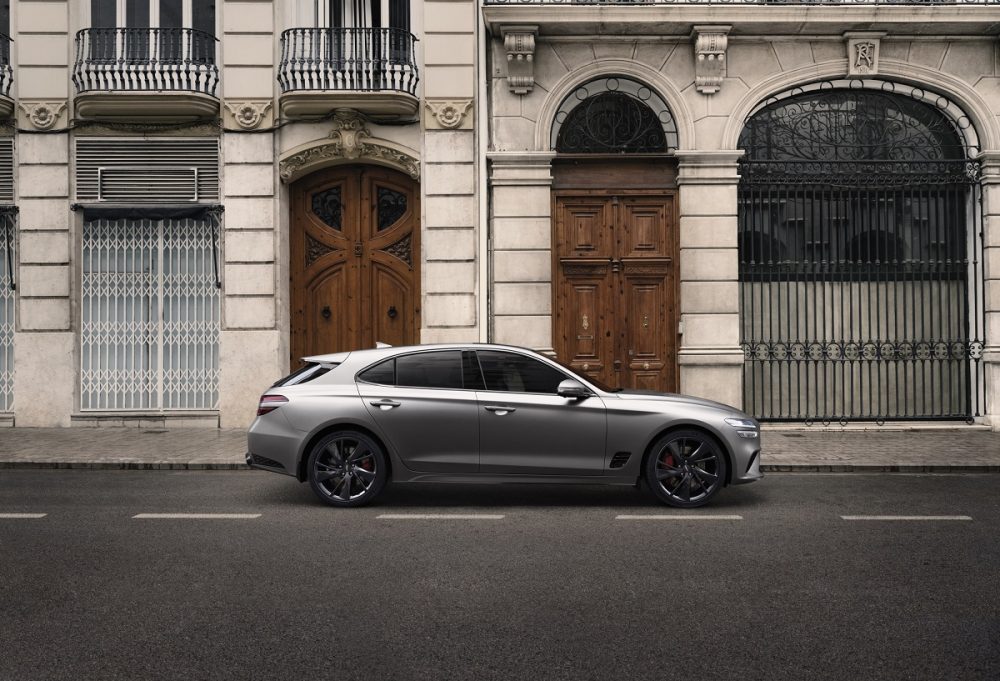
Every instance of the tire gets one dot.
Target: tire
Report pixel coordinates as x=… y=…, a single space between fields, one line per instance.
x=347 y=468
x=685 y=468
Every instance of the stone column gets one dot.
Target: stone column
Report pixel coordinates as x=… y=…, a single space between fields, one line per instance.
x=450 y=286
x=521 y=238
x=711 y=361
x=251 y=350
x=46 y=364
x=991 y=284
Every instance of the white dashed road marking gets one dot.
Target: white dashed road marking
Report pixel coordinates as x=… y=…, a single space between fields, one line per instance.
x=439 y=516
x=23 y=515
x=197 y=516
x=906 y=517
x=679 y=517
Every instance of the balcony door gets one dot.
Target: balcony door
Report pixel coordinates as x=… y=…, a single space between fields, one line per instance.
x=169 y=38
x=355 y=14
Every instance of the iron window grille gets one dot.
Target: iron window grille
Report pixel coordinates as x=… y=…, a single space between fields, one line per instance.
x=8 y=221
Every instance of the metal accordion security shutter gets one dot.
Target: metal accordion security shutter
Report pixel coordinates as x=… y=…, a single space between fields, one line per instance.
x=150 y=310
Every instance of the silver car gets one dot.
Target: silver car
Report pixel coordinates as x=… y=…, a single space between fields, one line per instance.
x=350 y=422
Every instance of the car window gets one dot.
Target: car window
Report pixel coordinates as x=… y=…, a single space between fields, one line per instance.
x=383 y=373
x=473 y=376
x=510 y=372
x=430 y=370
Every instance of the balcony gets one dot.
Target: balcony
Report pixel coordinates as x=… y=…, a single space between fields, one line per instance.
x=751 y=17
x=6 y=78
x=372 y=70
x=162 y=74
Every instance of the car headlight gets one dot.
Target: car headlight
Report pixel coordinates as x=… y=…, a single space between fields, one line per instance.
x=744 y=427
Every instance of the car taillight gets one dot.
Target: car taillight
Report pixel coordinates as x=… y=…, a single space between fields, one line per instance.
x=269 y=403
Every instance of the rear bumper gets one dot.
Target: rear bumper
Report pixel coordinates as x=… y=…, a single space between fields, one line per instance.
x=272 y=445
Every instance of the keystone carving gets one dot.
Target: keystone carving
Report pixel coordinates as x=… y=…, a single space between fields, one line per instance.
x=519 y=41
x=710 y=44
x=449 y=114
x=249 y=115
x=349 y=132
x=43 y=115
x=862 y=53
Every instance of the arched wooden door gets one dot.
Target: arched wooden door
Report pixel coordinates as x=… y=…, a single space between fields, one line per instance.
x=355 y=259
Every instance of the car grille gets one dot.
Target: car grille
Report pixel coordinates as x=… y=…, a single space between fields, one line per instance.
x=619 y=459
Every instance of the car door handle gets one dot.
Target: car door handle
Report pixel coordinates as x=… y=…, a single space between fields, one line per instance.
x=500 y=411
x=385 y=405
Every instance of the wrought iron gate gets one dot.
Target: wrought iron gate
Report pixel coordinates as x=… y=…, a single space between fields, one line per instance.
x=860 y=226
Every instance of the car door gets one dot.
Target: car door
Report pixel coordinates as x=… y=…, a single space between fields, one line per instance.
x=526 y=428
x=423 y=408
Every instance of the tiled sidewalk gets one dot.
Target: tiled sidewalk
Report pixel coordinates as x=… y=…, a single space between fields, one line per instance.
x=806 y=450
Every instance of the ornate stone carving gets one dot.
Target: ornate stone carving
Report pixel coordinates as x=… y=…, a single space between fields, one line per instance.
x=450 y=114
x=350 y=139
x=710 y=43
x=249 y=115
x=401 y=249
x=43 y=115
x=862 y=53
x=519 y=41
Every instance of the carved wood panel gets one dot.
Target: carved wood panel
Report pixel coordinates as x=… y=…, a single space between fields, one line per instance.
x=354 y=280
x=616 y=296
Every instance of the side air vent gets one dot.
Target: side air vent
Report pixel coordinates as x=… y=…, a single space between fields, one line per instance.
x=619 y=459
x=6 y=168
x=142 y=170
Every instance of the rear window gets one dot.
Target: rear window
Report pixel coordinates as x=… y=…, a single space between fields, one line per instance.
x=310 y=372
x=450 y=369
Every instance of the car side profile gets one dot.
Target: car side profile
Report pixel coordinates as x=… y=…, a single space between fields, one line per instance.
x=350 y=422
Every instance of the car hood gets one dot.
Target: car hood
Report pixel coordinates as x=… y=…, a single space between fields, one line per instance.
x=673 y=398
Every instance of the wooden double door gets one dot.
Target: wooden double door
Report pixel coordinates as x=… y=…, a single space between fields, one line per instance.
x=355 y=255
x=615 y=258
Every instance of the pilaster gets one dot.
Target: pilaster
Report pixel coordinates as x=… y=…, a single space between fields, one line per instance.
x=991 y=283
x=711 y=361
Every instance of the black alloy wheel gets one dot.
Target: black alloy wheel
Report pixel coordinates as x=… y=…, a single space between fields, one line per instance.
x=686 y=469
x=347 y=468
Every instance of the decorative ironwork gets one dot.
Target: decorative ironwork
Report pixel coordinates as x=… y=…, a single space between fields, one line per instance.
x=401 y=249
x=391 y=207
x=145 y=59
x=6 y=70
x=614 y=115
x=366 y=59
x=315 y=250
x=150 y=311
x=327 y=206
x=860 y=259
x=8 y=217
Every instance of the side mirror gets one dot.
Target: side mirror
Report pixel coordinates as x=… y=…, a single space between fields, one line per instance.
x=572 y=389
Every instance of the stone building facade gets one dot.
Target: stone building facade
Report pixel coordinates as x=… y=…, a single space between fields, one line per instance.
x=193 y=195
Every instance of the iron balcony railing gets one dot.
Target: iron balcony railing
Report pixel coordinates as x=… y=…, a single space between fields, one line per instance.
x=742 y=2
x=6 y=71
x=366 y=59
x=145 y=59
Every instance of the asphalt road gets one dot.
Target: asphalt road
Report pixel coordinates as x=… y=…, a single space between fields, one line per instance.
x=557 y=588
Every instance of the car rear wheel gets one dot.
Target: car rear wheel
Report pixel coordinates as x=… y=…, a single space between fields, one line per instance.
x=347 y=469
x=686 y=468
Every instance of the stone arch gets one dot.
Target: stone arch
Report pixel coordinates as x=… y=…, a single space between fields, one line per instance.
x=958 y=94
x=350 y=141
x=650 y=77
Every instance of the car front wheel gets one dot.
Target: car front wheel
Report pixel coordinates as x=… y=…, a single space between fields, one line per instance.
x=686 y=469
x=347 y=469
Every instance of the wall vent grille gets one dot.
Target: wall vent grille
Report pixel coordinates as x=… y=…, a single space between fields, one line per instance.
x=6 y=168
x=143 y=170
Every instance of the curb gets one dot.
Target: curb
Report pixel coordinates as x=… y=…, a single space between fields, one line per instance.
x=124 y=465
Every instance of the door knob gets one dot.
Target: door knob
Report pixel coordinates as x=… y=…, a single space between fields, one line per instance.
x=618 y=364
x=326 y=312
x=392 y=312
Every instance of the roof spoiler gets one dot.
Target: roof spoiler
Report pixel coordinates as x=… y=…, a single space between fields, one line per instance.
x=379 y=345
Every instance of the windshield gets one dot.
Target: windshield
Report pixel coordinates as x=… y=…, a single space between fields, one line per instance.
x=590 y=379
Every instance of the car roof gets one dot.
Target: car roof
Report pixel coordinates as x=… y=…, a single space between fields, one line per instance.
x=372 y=354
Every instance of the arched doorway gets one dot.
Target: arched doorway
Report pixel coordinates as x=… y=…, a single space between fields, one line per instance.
x=615 y=241
x=354 y=245
x=860 y=256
